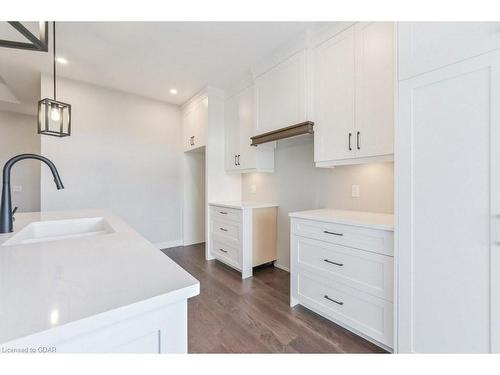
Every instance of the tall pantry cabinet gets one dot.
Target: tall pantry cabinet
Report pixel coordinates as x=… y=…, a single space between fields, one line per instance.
x=448 y=187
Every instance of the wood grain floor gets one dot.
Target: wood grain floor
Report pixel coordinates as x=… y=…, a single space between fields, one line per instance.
x=253 y=316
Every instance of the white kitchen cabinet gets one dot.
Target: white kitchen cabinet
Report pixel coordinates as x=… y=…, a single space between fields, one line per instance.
x=232 y=133
x=448 y=178
x=353 y=95
x=243 y=234
x=334 y=86
x=280 y=94
x=425 y=46
x=342 y=267
x=240 y=126
x=194 y=123
x=375 y=78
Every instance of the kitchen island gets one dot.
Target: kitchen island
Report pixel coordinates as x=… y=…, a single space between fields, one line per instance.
x=84 y=281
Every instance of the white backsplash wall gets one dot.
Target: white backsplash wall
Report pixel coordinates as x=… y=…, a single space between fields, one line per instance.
x=298 y=185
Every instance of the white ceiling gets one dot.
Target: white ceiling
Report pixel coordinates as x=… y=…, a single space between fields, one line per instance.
x=146 y=58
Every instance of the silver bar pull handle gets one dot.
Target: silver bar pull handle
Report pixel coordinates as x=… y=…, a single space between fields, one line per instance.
x=223 y=212
x=335 y=234
x=223 y=229
x=224 y=251
x=331 y=262
x=331 y=299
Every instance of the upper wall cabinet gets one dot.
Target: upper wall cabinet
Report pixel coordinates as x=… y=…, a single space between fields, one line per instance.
x=239 y=127
x=280 y=94
x=375 y=80
x=432 y=45
x=194 y=123
x=353 y=96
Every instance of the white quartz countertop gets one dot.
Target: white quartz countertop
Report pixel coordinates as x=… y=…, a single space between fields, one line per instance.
x=49 y=284
x=240 y=205
x=357 y=218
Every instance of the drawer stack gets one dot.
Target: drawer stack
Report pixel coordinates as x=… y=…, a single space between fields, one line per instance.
x=244 y=235
x=226 y=235
x=345 y=273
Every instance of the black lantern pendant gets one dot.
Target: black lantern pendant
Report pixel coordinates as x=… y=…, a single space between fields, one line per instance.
x=54 y=117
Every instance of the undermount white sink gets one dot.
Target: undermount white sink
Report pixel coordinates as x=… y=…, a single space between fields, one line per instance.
x=44 y=231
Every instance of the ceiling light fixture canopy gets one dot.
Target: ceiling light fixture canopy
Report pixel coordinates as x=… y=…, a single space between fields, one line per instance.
x=54 y=117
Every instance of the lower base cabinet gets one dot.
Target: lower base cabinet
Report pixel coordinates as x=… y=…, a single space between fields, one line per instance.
x=351 y=286
x=243 y=234
x=126 y=330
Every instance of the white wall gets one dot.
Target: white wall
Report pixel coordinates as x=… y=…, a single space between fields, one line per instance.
x=18 y=135
x=124 y=155
x=298 y=185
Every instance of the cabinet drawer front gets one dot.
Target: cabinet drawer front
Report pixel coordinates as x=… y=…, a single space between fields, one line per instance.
x=362 y=270
x=369 y=315
x=375 y=240
x=223 y=213
x=227 y=253
x=226 y=229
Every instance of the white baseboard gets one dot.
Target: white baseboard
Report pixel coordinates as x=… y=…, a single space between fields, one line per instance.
x=168 y=244
x=281 y=267
x=195 y=242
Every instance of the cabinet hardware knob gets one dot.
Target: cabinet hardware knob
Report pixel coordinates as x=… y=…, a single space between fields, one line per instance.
x=224 y=251
x=331 y=262
x=350 y=135
x=223 y=229
x=357 y=141
x=331 y=299
x=335 y=234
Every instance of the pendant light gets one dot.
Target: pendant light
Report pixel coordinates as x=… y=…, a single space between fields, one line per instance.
x=54 y=117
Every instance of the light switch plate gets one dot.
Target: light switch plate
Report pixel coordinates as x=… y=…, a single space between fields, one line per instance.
x=355 y=191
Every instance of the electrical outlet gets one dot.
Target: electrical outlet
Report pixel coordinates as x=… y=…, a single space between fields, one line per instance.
x=355 y=191
x=17 y=188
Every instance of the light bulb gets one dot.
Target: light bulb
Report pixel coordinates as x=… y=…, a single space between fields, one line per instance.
x=55 y=114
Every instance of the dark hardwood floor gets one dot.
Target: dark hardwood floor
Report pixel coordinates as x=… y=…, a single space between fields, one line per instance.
x=231 y=315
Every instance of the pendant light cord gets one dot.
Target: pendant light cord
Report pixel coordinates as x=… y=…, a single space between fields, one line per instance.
x=54 y=43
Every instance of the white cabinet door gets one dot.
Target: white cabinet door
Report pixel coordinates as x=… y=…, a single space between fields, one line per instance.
x=247 y=154
x=187 y=130
x=195 y=122
x=281 y=94
x=431 y=45
x=448 y=174
x=374 y=88
x=240 y=126
x=232 y=132
x=333 y=108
